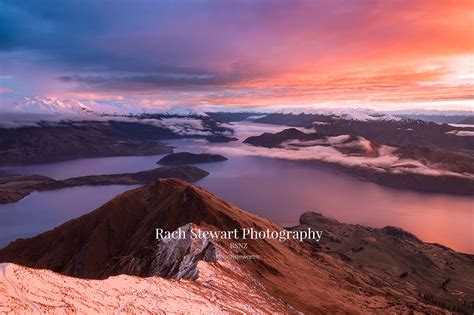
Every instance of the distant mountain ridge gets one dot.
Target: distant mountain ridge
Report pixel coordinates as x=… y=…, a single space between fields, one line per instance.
x=53 y=105
x=468 y=121
x=90 y=108
x=45 y=105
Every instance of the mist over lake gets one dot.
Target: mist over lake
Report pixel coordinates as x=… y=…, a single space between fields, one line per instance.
x=280 y=190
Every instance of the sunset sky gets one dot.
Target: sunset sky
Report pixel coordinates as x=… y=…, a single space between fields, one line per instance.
x=384 y=54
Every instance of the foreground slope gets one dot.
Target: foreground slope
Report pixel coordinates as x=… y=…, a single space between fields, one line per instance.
x=119 y=238
x=25 y=290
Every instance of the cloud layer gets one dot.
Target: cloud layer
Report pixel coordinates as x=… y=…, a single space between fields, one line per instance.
x=239 y=52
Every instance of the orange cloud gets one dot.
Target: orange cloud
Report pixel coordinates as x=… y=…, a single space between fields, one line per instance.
x=307 y=52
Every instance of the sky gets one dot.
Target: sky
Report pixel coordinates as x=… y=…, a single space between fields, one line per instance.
x=382 y=54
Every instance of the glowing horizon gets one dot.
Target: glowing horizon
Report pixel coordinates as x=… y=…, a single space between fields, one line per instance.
x=375 y=54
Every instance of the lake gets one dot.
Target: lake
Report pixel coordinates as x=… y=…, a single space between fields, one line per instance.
x=279 y=190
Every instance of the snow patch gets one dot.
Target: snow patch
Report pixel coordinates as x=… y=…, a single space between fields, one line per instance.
x=256 y=117
x=361 y=114
x=461 y=133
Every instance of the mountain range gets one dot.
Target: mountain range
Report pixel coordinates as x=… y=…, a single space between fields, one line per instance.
x=89 y=108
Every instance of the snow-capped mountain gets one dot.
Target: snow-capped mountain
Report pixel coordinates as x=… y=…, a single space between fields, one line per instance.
x=52 y=105
x=421 y=111
x=361 y=114
x=184 y=111
x=56 y=106
x=348 y=113
x=48 y=105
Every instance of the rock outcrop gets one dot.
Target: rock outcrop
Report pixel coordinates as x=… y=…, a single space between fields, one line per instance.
x=178 y=258
x=174 y=258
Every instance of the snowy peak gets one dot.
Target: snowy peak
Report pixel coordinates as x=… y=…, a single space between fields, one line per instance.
x=182 y=111
x=346 y=113
x=361 y=114
x=48 y=105
x=52 y=105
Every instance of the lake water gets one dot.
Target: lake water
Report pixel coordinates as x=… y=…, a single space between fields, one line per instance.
x=279 y=190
